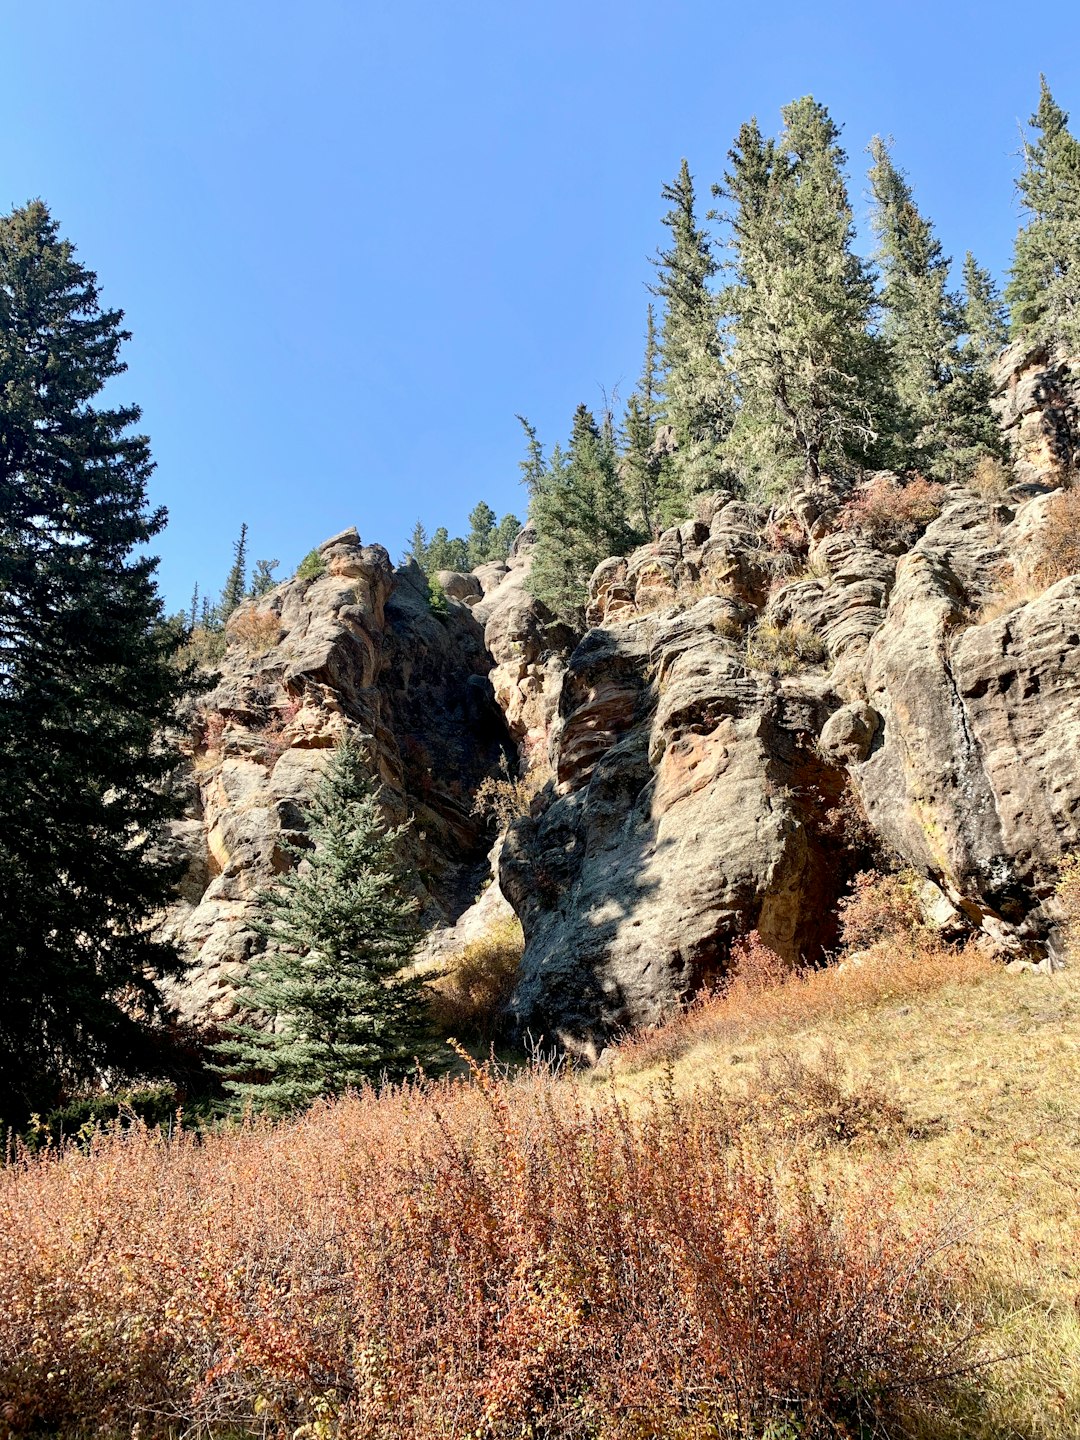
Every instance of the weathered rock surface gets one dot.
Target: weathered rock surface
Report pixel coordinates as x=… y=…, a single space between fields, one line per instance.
x=358 y=646
x=1037 y=400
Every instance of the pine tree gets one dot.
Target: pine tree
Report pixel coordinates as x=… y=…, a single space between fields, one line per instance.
x=1044 y=292
x=655 y=497
x=480 y=542
x=943 y=393
x=192 y=618
x=508 y=530
x=88 y=685
x=533 y=468
x=800 y=306
x=418 y=545
x=262 y=579
x=446 y=553
x=697 y=394
x=985 y=314
x=579 y=510
x=236 y=580
x=339 y=929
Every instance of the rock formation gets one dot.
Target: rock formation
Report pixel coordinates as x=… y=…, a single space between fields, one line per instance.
x=747 y=680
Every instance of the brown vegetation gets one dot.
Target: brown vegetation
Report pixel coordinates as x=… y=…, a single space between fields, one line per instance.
x=469 y=1000
x=476 y=1258
x=786 y=649
x=256 y=631
x=889 y=514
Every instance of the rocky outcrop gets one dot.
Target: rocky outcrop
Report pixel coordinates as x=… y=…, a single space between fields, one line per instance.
x=356 y=646
x=1037 y=400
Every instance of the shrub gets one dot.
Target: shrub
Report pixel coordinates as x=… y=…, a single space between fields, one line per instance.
x=479 y=1257
x=437 y=600
x=1053 y=554
x=1068 y=894
x=205 y=646
x=502 y=800
x=991 y=478
x=786 y=649
x=256 y=631
x=469 y=1000
x=889 y=514
x=880 y=907
x=311 y=567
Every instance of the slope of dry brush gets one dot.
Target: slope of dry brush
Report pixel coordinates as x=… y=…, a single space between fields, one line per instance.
x=481 y=1257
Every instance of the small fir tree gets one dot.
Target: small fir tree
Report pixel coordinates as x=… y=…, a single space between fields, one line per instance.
x=339 y=929
x=654 y=495
x=446 y=552
x=418 y=545
x=1044 y=292
x=579 y=510
x=508 y=530
x=236 y=581
x=480 y=542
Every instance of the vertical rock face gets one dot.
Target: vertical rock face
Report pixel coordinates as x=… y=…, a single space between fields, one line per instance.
x=1037 y=400
x=698 y=745
x=359 y=646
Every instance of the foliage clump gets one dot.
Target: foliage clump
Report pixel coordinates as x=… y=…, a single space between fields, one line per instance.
x=785 y=649
x=332 y=1008
x=470 y=1000
x=311 y=566
x=891 y=515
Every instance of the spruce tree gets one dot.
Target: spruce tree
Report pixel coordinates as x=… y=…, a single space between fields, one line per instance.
x=533 y=468
x=1044 y=292
x=943 y=392
x=509 y=528
x=418 y=545
x=89 y=685
x=696 y=388
x=446 y=553
x=579 y=510
x=480 y=542
x=985 y=314
x=236 y=580
x=339 y=928
x=654 y=495
x=800 y=307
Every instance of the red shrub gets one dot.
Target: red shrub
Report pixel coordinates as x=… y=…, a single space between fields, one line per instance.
x=889 y=514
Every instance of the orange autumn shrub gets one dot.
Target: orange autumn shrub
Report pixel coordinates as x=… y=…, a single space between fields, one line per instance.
x=892 y=515
x=477 y=1257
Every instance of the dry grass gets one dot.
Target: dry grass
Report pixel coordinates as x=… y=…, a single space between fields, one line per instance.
x=1054 y=554
x=468 y=1001
x=255 y=631
x=477 y=1258
x=787 y=649
x=982 y=1068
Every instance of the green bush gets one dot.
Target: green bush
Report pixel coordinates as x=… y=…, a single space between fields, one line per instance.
x=437 y=598
x=311 y=566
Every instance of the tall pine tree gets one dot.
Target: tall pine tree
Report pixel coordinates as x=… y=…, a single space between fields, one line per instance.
x=339 y=929
x=985 y=314
x=1044 y=292
x=236 y=580
x=944 y=422
x=800 y=307
x=653 y=492
x=88 y=685
x=696 y=387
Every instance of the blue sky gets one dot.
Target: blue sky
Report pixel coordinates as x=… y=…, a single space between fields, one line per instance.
x=354 y=239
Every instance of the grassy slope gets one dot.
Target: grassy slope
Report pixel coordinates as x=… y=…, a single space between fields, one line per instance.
x=987 y=1075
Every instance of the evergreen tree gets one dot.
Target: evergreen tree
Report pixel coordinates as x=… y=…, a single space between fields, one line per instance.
x=446 y=553
x=339 y=929
x=418 y=545
x=533 y=468
x=655 y=498
x=579 y=510
x=480 y=544
x=800 y=308
x=697 y=394
x=88 y=685
x=192 y=618
x=509 y=529
x=236 y=580
x=262 y=580
x=943 y=392
x=985 y=315
x=1044 y=292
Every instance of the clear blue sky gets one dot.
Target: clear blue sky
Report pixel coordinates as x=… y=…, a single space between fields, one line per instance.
x=353 y=239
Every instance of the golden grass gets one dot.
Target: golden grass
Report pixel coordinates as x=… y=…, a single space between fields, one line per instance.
x=981 y=1070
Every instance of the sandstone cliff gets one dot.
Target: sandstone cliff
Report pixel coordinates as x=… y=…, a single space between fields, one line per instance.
x=749 y=684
